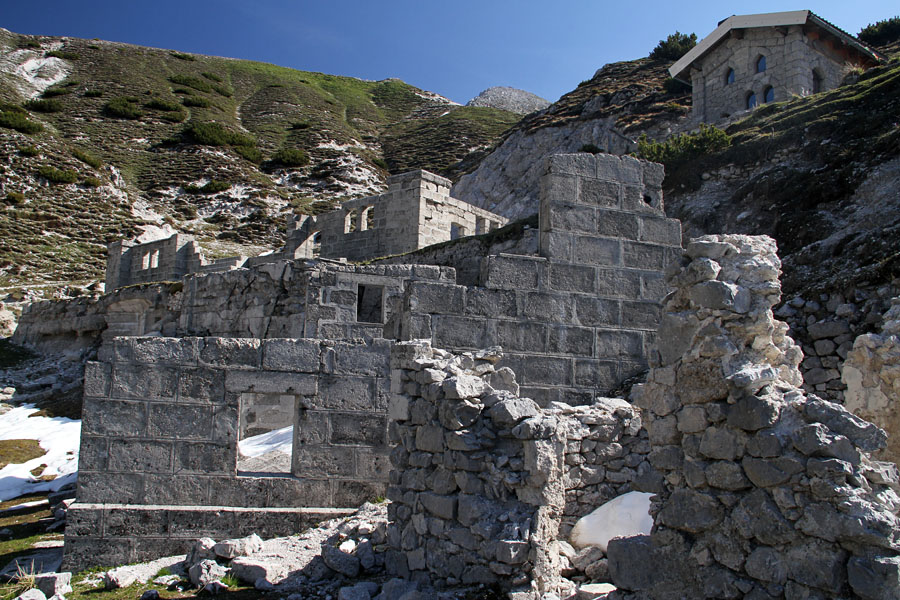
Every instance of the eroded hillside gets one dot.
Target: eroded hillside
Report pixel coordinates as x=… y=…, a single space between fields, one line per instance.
x=101 y=140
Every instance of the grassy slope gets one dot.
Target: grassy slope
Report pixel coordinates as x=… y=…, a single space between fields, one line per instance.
x=60 y=231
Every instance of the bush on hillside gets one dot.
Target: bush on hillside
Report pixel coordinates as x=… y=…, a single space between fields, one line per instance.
x=15 y=198
x=15 y=117
x=196 y=101
x=62 y=54
x=44 y=106
x=91 y=182
x=56 y=91
x=166 y=105
x=686 y=146
x=92 y=93
x=674 y=47
x=182 y=56
x=87 y=158
x=29 y=151
x=123 y=107
x=292 y=157
x=213 y=186
x=881 y=32
x=191 y=82
x=54 y=175
x=212 y=76
x=673 y=86
x=215 y=134
x=250 y=153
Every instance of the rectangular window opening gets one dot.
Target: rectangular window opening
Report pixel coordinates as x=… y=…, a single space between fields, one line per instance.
x=154 y=259
x=370 y=304
x=265 y=443
x=457 y=231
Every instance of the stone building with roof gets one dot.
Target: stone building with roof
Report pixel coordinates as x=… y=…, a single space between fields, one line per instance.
x=751 y=60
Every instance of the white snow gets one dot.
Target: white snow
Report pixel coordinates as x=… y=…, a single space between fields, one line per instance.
x=58 y=436
x=35 y=72
x=623 y=516
x=279 y=440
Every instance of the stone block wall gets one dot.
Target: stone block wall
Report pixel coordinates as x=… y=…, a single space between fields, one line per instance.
x=792 y=55
x=581 y=318
x=167 y=259
x=483 y=481
x=770 y=492
x=416 y=211
x=160 y=428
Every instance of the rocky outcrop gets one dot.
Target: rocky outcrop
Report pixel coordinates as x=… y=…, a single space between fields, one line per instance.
x=511 y=99
x=770 y=491
x=872 y=376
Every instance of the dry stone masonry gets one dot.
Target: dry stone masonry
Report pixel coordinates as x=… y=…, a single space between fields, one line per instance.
x=872 y=375
x=770 y=492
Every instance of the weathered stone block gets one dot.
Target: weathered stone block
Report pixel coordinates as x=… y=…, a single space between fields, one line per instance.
x=490 y=303
x=557 y=245
x=570 y=340
x=640 y=315
x=616 y=343
x=617 y=224
x=572 y=278
x=159 y=350
x=605 y=194
x=136 y=456
x=568 y=216
x=201 y=386
x=555 y=308
x=132 y=381
x=428 y=297
x=97 y=379
x=643 y=256
x=521 y=336
x=595 y=373
x=508 y=272
x=119 y=488
x=459 y=332
x=205 y=458
x=351 y=493
x=558 y=187
x=346 y=393
x=114 y=418
x=179 y=421
x=230 y=352
x=314 y=462
x=592 y=311
x=358 y=429
x=270 y=382
x=301 y=355
x=618 y=283
x=580 y=164
x=597 y=251
x=660 y=231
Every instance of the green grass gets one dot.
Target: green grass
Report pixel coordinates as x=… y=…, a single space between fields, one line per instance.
x=44 y=106
x=93 y=94
x=166 y=105
x=212 y=77
x=29 y=151
x=18 y=120
x=292 y=157
x=197 y=101
x=17 y=452
x=87 y=158
x=56 y=91
x=91 y=182
x=54 y=175
x=182 y=56
x=14 y=198
x=191 y=82
x=215 y=134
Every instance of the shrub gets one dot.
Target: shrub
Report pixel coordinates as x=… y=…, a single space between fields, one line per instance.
x=223 y=91
x=292 y=157
x=123 y=107
x=44 y=106
x=213 y=186
x=380 y=163
x=29 y=151
x=182 y=56
x=680 y=148
x=191 y=82
x=215 y=134
x=250 y=153
x=174 y=117
x=16 y=118
x=23 y=43
x=160 y=104
x=212 y=77
x=93 y=46
x=181 y=90
x=591 y=148
x=87 y=158
x=674 y=47
x=673 y=86
x=301 y=125
x=54 y=175
x=56 y=91
x=91 y=182
x=62 y=54
x=881 y=32
x=92 y=93
x=15 y=198
x=196 y=101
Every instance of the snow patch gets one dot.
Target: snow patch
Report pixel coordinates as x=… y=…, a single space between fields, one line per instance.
x=152 y=233
x=279 y=440
x=35 y=72
x=623 y=516
x=58 y=436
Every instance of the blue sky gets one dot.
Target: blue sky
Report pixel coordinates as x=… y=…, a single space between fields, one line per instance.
x=455 y=48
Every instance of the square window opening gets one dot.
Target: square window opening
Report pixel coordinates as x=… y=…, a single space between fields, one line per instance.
x=265 y=444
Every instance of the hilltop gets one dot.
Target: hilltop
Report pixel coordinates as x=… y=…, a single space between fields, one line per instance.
x=104 y=140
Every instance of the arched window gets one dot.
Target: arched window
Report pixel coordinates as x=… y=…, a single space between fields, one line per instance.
x=816 y=82
x=769 y=95
x=761 y=64
x=751 y=100
x=317 y=243
x=729 y=77
x=350 y=221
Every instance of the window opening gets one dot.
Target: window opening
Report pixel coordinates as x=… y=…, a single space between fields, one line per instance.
x=265 y=444
x=368 y=218
x=457 y=231
x=761 y=64
x=154 y=259
x=729 y=77
x=350 y=221
x=751 y=100
x=769 y=95
x=145 y=261
x=317 y=243
x=370 y=304
x=816 y=82
x=480 y=225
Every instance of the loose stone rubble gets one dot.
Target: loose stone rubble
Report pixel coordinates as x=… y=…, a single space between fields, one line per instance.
x=770 y=491
x=872 y=375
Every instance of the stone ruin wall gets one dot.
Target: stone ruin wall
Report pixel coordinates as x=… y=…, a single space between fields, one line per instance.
x=483 y=481
x=161 y=422
x=770 y=492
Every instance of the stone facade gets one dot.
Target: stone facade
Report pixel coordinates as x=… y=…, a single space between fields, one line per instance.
x=754 y=59
x=161 y=424
x=580 y=318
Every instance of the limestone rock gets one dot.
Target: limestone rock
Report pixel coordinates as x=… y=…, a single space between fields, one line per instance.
x=233 y=548
x=205 y=572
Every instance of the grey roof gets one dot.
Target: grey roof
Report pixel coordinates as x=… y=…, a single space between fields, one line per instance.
x=780 y=19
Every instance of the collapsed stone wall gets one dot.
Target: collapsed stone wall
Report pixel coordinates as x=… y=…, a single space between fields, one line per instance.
x=872 y=376
x=770 y=492
x=482 y=480
x=159 y=466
